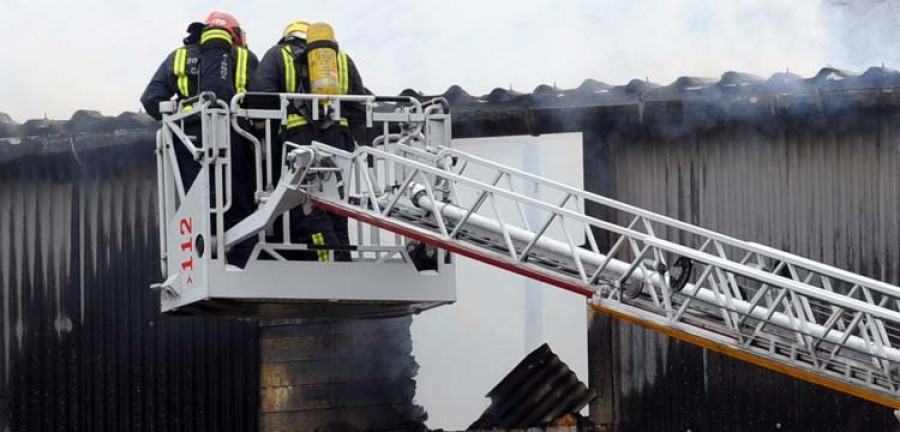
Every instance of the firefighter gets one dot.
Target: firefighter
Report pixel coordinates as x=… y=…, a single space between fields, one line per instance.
x=285 y=69
x=214 y=59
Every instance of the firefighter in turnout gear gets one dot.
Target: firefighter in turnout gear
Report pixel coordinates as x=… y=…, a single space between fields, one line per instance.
x=214 y=59
x=285 y=68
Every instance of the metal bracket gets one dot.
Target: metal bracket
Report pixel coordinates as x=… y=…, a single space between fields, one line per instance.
x=169 y=286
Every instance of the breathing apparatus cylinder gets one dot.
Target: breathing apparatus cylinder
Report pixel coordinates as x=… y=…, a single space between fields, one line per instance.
x=322 y=55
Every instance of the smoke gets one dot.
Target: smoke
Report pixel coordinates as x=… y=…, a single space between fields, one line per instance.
x=99 y=54
x=507 y=43
x=868 y=32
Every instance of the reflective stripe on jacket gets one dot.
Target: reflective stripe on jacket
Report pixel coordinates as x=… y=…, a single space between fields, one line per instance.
x=180 y=66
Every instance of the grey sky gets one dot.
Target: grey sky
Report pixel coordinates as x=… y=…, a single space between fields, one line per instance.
x=59 y=56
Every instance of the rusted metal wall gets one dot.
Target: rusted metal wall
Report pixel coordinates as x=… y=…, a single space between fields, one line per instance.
x=82 y=344
x=820 y=184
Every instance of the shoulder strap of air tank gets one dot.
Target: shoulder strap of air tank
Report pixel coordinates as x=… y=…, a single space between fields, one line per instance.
x=343 y=73
x=179 y=69
x=290 y=73
x=240 y=72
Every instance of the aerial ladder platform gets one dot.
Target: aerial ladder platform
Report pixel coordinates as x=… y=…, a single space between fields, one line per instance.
x=417 y=202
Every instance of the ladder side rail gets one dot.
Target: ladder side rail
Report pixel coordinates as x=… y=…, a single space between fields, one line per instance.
x=704 y=295
x=844 y=381
x=666 y=245
x=711 y=297
x=811 y=267
x=735 y=268
x=716 y=262
x=854 y=354
x=801 y=286
x=756 y=248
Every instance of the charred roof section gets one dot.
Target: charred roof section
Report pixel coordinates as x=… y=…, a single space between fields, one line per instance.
x=82 y=122
x=690 y=101
x=87 y=135
x=682 y=106
x=538 y=391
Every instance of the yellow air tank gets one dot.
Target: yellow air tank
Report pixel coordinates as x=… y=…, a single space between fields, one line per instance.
x=322 y=57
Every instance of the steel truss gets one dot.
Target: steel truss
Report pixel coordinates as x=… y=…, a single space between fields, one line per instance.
x=776 y=309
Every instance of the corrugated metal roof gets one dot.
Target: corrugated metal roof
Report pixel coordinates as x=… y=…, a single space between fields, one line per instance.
x=596 y=93
x=83 y=121
x=477 y=115
x=540 y=389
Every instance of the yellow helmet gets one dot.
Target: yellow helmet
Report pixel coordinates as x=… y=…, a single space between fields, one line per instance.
x=296 y=29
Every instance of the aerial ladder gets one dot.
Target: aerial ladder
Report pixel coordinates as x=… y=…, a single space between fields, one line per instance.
x=417 y=202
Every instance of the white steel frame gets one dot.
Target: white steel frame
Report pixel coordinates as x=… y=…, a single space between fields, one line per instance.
x=823 y=323
x=381 y=273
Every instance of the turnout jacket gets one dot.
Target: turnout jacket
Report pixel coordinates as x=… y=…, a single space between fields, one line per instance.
x=211 y=64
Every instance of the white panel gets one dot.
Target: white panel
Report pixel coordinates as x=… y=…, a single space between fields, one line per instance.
x=477 y=341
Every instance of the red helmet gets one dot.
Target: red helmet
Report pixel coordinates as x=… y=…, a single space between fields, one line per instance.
x=228 y=22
